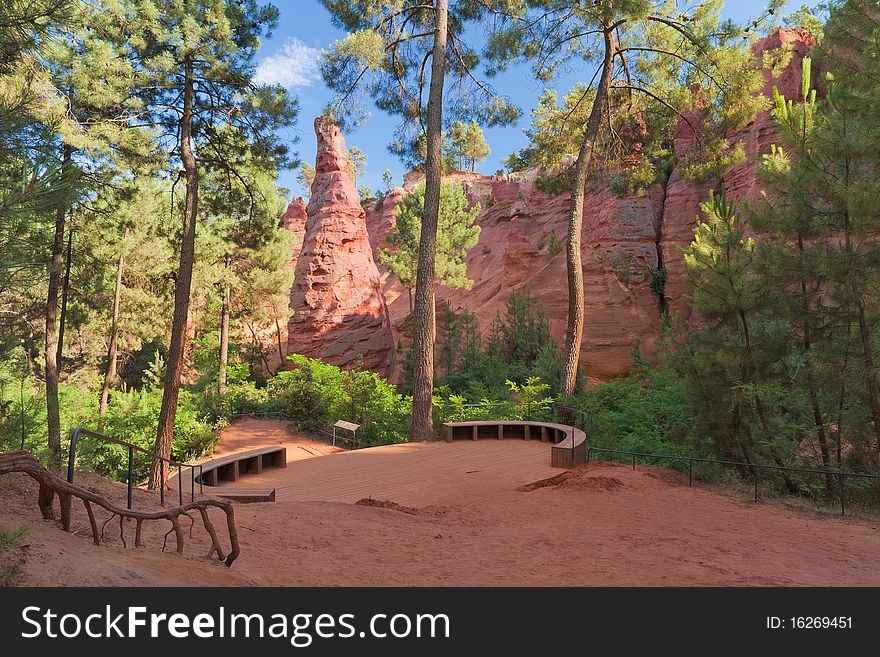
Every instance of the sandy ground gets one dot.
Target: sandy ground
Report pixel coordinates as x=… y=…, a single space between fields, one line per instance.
x=250 y=432
x=601 y=524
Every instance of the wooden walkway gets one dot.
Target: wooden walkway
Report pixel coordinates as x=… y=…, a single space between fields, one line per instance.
x=412 y=474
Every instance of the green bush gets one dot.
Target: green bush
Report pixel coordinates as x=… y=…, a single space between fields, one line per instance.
x=635 y=414
x=132 y=415
x=555 y=245
x=529 y=401
x=314 y=395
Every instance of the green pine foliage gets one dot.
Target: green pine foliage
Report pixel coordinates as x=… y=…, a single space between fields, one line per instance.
x=456 y=235
x=466 y=145
x=518 y=347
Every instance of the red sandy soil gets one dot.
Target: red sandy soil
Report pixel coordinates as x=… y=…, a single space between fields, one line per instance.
x=601 y=524
x=250 y=432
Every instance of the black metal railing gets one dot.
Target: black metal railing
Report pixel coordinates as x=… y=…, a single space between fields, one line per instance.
x=81 y=432
x=841 y=475
x=529 y=410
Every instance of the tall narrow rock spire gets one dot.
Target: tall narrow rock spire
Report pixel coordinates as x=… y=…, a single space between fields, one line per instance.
x=339 y=313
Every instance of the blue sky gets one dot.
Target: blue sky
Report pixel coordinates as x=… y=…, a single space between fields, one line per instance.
x=291 y=56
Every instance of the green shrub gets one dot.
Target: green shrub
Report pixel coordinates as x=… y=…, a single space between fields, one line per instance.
x=658 y=281
x=451 y=407
x=555 y=245
x=315 y=395
x=639 y=415
x=133 y=416
x=529 y=401
x=621 y=268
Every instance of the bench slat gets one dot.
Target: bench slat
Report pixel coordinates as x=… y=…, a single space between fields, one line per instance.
x=247 y=495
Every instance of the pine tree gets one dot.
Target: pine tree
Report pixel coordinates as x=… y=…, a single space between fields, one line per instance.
x=455 y=236
x=476 y=147
x=386 y=55
x=194 y=61
x=729 y=355
x=357 y=163
x=467 y=145
x=86 y=128
x=842 y=163
x=306 y=177
x=642 y=50
x=791 y=259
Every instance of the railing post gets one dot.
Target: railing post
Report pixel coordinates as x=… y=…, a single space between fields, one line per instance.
x=180 y=483
x=589 y=452
x=201 y=479
x=71 y=455
x=755 y=477
x=162 y=481
x=634 y=462
x=130 y=459
x=690 y=472
x=842 y=494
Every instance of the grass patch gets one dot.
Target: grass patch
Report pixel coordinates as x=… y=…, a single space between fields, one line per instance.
x=13 y=537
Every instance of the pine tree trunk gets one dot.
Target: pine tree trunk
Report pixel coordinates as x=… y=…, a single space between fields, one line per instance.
x=53 y=412
x=165 y=431
x=110 y=373
x=278 y=336
x=224 y=338
x=811 y=378
x=749 y=377
x=65 y=291
x=575 y=327
x=870 y=371
x=424 y=312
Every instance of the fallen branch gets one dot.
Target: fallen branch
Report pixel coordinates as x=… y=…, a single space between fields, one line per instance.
x=50 y=485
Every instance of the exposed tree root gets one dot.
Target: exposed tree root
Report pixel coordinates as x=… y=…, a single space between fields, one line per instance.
x=50 y=485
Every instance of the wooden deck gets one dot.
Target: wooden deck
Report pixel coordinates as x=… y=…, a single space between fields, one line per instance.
x=414 y=474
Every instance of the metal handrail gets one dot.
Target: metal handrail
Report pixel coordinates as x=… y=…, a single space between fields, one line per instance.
x=88 y=433
x=841 y=475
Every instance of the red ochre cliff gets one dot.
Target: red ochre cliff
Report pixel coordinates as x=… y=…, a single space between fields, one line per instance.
x=348 y=311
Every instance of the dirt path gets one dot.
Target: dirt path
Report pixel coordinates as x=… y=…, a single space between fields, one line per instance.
x=251 y=432
x=602 y=524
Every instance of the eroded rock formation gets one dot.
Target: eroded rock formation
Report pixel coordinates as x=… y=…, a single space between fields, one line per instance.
x=294 y=220
x=339 y=313
x=626 y=240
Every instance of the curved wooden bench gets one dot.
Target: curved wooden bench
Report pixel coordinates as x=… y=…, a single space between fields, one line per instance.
x=234 y=466
x=569 y=443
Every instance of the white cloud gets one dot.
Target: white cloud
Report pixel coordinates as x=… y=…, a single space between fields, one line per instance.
x=294 y=65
